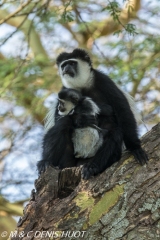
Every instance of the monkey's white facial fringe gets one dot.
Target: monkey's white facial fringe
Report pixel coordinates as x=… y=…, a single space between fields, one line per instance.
x=84 y=77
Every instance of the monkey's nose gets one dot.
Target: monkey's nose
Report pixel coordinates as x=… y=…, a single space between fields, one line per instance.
x=67 y=70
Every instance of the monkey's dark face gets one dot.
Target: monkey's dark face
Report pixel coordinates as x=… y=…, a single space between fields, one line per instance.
x=68 y=99
x=65 y=107
x=69 y=67
x=61 y=106
x=75 y=69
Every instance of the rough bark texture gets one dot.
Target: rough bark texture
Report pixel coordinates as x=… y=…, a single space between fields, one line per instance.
x=121 y=203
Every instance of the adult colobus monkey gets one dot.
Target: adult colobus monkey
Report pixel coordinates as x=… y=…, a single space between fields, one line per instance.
x=76 y=72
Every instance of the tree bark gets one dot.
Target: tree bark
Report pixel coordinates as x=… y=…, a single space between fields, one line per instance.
x=121 y=203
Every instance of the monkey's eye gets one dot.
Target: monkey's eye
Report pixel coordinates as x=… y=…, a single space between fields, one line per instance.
x=72 y=63
x=63 y=65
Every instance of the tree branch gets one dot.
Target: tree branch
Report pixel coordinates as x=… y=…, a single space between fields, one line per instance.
x=146 y=63
x=35 y=42
x=110 y=25
x=20 y=8
x=120 y=203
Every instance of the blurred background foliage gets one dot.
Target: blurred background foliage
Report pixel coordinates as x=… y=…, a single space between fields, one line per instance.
x=123 y=39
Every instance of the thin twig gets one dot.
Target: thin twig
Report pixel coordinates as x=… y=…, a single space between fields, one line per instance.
x=15 y=12
x=94 y=43
x=20 y=25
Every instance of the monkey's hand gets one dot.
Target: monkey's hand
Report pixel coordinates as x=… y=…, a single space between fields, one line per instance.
x=84 y=120
x=88 y=170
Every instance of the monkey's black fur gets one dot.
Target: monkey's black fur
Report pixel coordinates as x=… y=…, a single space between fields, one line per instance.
x=83 y=116
x=57 y=146
x=76 y=54
x=121 y=124
x=83 y=110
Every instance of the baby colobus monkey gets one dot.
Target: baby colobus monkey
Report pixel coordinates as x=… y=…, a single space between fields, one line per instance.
x=87 y=139
x=72 y=132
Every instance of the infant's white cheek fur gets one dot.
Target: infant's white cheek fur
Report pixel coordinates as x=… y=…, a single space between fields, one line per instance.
x=86 y=142
x=63 y=113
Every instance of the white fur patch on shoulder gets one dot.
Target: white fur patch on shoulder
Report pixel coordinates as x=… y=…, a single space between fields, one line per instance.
x=49 y=120
x=95 y=108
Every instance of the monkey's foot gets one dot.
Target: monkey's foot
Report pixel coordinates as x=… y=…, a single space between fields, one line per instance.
x=89 y=169
x=42 y=166
x=140 y=156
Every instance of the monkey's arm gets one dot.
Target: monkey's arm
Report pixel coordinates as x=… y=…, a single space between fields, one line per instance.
x=86 y=113
x=125 y=119
x=111 y=149
x=83 y=120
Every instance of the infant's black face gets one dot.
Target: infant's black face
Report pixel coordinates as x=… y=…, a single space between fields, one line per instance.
x=68 y=100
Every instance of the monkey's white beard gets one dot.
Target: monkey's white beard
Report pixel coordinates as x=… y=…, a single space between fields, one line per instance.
x=83 y=79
